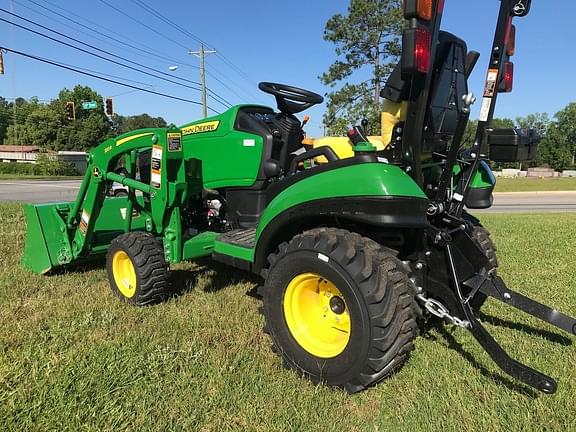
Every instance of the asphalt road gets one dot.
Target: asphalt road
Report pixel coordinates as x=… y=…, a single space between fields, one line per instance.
x=532 y=202
x=45 y=191
x=38 y=191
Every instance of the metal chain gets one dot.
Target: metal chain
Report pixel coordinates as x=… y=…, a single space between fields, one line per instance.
x=438 y=309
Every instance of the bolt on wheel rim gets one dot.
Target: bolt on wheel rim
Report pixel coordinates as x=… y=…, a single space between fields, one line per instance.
x=316 y=315
x=124 y=274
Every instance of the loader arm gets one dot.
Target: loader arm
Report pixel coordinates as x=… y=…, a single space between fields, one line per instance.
x=71 y=232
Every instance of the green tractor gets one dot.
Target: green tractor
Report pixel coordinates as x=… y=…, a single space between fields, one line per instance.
x=355 y=252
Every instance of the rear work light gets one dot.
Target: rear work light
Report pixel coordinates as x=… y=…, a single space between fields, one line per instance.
x=421 y=9
x=416 y=45
x=507 y=83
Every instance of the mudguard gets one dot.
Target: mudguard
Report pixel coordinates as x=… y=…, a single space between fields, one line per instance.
x=371 y=193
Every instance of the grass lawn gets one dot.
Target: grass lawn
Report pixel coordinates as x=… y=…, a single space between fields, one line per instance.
x=72 y=357
x=535 y=184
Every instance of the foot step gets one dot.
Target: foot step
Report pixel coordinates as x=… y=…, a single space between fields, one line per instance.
x=240 y=237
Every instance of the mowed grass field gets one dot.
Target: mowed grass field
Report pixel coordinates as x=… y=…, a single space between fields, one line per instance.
x=74 y=358
x=535 y=184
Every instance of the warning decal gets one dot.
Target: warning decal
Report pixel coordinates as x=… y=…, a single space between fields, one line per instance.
x=490 y=88
x=485 y=110
x=174 y=142
x=156 y=167
x=84 y=220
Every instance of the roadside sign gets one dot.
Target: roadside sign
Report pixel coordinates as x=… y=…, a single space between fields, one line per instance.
x=89 y=105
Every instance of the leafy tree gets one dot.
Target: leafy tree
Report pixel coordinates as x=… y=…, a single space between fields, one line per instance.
x=558 y=148
x=5 y=119
x=38 y=128
x=90 y=128
x=540 y=122
x=367 y=45
x=566 y=129
x=46 y=125
x=141 y=121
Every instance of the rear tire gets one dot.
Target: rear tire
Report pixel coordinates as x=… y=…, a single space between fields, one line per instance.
x=339 y=308
x=482 y=237
x=137 y=270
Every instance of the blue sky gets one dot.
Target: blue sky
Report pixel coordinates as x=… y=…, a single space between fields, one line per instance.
x=267 y=41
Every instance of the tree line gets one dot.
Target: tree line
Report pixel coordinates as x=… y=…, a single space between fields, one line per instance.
x=45 y=124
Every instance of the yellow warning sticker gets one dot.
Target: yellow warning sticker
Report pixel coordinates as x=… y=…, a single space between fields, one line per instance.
x=201 y=128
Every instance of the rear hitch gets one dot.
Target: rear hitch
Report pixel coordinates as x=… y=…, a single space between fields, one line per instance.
x=496 y=288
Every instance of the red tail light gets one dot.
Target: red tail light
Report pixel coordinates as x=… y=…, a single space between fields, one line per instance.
x=507 y=83
x=422 y=50
x=416 y=45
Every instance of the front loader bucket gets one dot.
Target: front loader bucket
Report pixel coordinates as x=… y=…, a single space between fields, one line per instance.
x=46 y=238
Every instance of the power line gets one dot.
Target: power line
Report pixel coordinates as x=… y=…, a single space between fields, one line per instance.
x=141 y=23
x=119 y=43
x=158 y=15
x=86 y=44
x=187 y=33
x=216 y=97
x=54 y=63
x=107 y=30
x=155 y=13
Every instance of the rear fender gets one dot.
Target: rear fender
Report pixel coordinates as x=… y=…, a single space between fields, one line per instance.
x=369 y=193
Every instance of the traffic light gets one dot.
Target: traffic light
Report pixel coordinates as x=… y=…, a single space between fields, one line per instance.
x=1 y=63
x=70 y=111
x=109 y=107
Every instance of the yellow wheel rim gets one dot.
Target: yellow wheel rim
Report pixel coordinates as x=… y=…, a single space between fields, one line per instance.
x=124 y=274
x=317 y=315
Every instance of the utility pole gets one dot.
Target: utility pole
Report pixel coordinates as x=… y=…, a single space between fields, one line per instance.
x=202 y=55
x=13 y=77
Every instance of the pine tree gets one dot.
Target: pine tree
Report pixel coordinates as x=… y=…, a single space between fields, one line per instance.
x=367 y=45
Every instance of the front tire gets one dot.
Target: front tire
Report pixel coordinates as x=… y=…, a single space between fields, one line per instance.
x=339 y=308
x=137 y=270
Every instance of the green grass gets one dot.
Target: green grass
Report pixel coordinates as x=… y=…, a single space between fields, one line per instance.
x=535 y=184
x=72 y=357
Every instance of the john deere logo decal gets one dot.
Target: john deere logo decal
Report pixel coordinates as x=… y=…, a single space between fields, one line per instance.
x=201 y=128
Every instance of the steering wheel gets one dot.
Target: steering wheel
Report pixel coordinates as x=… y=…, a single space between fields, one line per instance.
x=291 y=100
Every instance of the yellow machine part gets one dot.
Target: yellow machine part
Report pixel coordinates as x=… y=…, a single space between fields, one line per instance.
x=392 y=114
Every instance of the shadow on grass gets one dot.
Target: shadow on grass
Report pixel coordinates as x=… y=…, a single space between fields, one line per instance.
x=80 y=267
x=453 y=344
x=545 y=334
x=219 y=276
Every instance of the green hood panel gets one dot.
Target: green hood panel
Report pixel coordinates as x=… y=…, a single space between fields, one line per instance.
x=366 y=179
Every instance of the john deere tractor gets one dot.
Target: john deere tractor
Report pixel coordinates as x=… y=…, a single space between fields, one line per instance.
x=357 y=246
